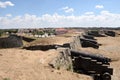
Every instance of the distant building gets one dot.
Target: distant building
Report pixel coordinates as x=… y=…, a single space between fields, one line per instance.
x=59 y=31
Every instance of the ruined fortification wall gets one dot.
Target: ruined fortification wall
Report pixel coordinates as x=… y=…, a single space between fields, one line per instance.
x=75 y=44
x=63 y=60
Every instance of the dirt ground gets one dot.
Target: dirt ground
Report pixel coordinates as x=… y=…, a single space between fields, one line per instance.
x=18 y=64
x=21 y=64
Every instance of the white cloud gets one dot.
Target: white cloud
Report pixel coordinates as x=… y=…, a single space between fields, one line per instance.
x=5 y=4
x=99 y=6
x=89 y=13
x=8 y=15
x=64 y=8
x=104 y=19
x=67 y=9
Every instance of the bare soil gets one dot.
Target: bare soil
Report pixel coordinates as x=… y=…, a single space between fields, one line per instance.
x=18 y=64
x=21 y=64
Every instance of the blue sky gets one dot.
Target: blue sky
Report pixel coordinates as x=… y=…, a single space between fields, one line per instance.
x=59 y=13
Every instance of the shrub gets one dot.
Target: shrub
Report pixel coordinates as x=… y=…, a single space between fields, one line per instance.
x=6 y=79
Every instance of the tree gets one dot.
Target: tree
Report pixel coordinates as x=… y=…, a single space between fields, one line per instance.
x=40 y=33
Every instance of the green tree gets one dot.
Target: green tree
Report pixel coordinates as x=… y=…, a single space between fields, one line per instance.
x=40 y=33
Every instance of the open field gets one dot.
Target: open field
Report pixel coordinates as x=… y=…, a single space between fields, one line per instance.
x=22 y=64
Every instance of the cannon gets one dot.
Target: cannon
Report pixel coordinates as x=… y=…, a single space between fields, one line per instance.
x=110 y=33
x=89 y=43
x=92 y=64
x=88 y=37
x=27 y=39
x=97 y=57
x=90 y=40
x=95 y=33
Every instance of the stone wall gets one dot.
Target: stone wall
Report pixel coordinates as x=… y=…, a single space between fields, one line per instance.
x=63 y=60
x=75 y=44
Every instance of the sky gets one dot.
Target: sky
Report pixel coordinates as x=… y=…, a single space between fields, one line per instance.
x=59 y=13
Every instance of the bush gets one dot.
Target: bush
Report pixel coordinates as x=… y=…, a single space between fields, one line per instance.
x=6 y=79
x=1 y=32
x=38 y=33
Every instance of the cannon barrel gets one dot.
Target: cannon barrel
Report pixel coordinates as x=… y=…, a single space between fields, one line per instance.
x=88 y=37
x=110 y=33
x=89 y=43
x=99 y=58
x=90 y=40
